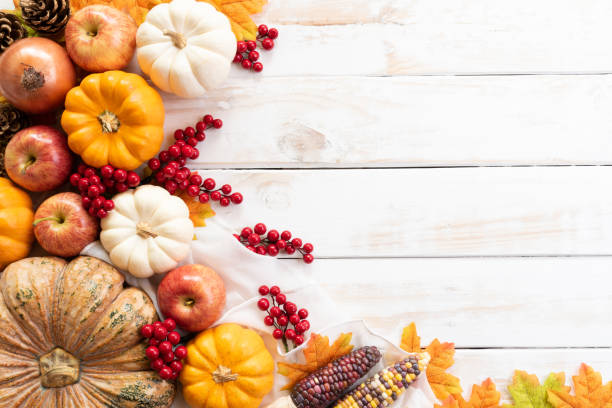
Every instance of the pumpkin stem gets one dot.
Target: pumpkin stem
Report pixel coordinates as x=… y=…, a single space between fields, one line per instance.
x=31 y=80
x=177 y=38
x=223 y=374
x=58 y=368
x=109 y=121
x=145 y=231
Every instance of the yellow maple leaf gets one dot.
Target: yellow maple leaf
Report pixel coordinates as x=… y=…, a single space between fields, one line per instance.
x=589 y=391
x=483 y=396
x=198 y=211
x=410 y=341
x=317 y=354
x=239 y=14
x=138 y=9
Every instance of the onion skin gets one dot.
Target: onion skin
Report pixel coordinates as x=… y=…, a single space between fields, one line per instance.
x=36 y=75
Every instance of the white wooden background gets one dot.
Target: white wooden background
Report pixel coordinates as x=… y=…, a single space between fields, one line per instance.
x=448 y=160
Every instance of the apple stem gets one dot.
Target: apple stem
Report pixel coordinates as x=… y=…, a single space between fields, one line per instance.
x=36 y=222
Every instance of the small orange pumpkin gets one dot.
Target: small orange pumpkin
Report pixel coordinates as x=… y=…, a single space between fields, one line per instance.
x=16 y=217
x=114 y=118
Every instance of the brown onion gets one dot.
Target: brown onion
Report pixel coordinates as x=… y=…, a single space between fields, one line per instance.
x=36 y=75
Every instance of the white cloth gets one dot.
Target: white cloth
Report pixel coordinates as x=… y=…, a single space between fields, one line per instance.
x=243 y=272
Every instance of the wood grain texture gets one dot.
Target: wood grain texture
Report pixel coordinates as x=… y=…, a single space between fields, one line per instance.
x=432 y=212
x=401 y=121
x=478 y=302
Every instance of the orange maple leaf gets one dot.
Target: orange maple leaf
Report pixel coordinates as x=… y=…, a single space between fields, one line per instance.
x=317 y=354
x=138 y=9
x=239 y=14
x=483 y=396
x=589 y=391
x=198 y=211
x=443 y=384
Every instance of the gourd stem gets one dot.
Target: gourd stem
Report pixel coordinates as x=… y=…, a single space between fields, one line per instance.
x=58 y=368
x=177 y=38
x=223 y=374
x=109 y=121
x=57 y=219
x=144 y=230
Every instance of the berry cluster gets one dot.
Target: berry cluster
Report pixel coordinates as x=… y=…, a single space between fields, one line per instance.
x=164 y=356
x=281 y=319
x=246 y=53
x=169 y=169
x=94 y=184
x=273 y=243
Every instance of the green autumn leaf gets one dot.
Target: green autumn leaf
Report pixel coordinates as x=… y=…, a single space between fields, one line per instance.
x=527 y=392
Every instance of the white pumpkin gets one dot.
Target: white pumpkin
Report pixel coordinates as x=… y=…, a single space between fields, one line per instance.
x=186 y=47
x=148 y=232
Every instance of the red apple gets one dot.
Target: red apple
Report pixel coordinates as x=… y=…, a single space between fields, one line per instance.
x=192 y=295
x=62 y=226
x=101 y=38
x=38 y=159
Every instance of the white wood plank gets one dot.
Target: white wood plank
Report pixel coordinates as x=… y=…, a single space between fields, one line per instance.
x=474 y=366
x=401 y=121
x=432 y=212
x=477 y=302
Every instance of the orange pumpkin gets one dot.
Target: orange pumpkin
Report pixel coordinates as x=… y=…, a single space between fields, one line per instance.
x=227 y=366
x=114 y=118
x=16 y=217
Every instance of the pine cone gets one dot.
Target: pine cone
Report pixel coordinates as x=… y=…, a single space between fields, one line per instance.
x=12 y=121
x=46 y=16
x=11 y=30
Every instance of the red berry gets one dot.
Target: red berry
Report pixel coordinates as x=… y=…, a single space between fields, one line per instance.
x=92 y=211
x=176 y=366
x=81 y=169
x=289 y=307
x=187 y=150
x=236 y=198
x=109 y=205
x=74 y=179
x=261 y=250
x=253 y=56
x=263 y=289
x=272 y=250
x=189 y=132
x=246 y=231
x=167 y=356
x=193 y=190
x=120 y=175
x=108 y=183
x=102 y=189
x=192 y=141
x=241 y=46
x=195 y=179
x=286 y=235
x=298 y=339
x=89 y=172
x=83 y=184
x=160 y=333
x=281 y=244
x=174 y=151
x=157 y=324
x=164 y=156
x=250 y=248
x=200 y=136
x=154 y=342
x=209 y=184
x=171 y=186
x=217 y=123
x=180 y=176
x=165 y=346
x=258 y=66
x=277 y=334
x=296 y=242
x=281 y=298
x=180 y=352
x=157 y=364
x=204 y=197
x=94 y=180
x=183 y=185
x=269 y=321
x=200 y=126
x=120 y=187
x=98 y=202
x=154 y=164
x=208 y=119
x=251 y=45
x=273 y=33
x=294 y=319
x=290 y=250
x=263 y=304
x=133 y=179
x=237 y=58
x=267 y=44
x=224 y=201
x=174 y=337
x=273 y=235
x=260 y=228
x=303 y=313
x=282 y=320
x=254 y=239
x=290 y=334
x=169 y=171
x=195 y=154
x=101 y=213
x=262 y=29
x=275 y=311
x=215 y=196
x=86 y=202
x=147 y=330
x=181 y=161
x=226 y=189
x=275 y=290
x=165 y=373
x=308 y=258
x=180 y=143
x=178 y=134
x=305 y=325
x=308 y=248
x=246 y=64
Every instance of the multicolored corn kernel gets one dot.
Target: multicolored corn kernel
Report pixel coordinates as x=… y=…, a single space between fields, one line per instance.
x=324 y=386
x=385 y=387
